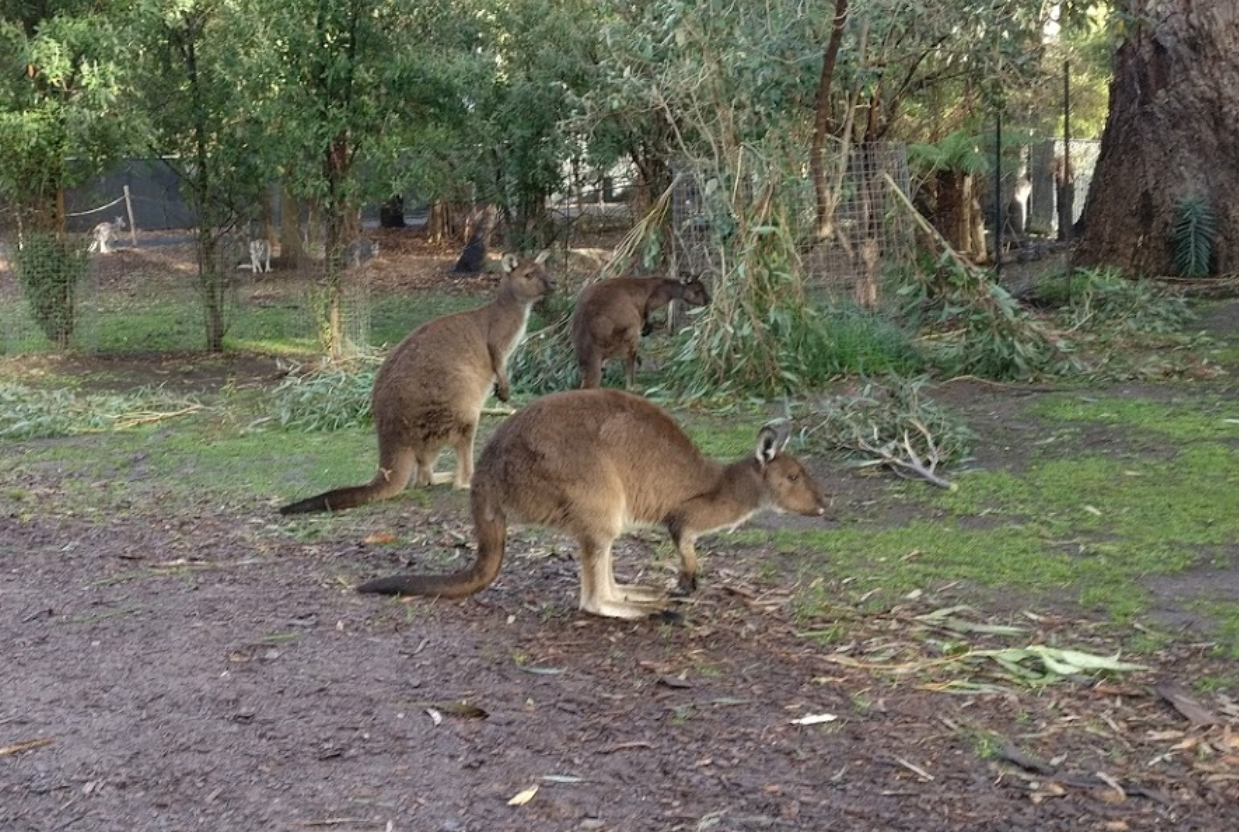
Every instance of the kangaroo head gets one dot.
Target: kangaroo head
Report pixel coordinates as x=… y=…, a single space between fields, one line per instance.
x=790 y=485
x=527 y=277
x=695 y=293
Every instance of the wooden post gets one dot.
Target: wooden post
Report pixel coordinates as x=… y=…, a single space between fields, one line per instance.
x=133 y=231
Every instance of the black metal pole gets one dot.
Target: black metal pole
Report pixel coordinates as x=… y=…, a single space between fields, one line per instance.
x=1066 y=193
x=998 y=193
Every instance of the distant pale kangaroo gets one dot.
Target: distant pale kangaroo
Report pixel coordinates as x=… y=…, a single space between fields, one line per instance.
x=612 y=315
x=103 y=233
x=260 y=256
x=429 y=392
x=592 y=463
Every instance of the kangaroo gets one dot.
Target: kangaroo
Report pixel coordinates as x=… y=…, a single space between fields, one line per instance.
x=260 y=255
x=591 y=463
x=612 y=315
x=359 y=252
x=430 y=389
x=102 y=234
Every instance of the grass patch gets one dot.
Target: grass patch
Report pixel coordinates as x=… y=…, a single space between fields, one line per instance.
x=1085 y=529
x=1183 y=419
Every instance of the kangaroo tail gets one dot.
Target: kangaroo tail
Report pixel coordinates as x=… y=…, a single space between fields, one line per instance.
x=388 y=482
x=335 y=500
x=492 y=531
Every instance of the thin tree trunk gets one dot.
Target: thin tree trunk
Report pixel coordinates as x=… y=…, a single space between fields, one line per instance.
x=822 y=124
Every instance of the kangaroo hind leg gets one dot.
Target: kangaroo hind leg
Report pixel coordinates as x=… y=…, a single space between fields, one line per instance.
x=600 y=594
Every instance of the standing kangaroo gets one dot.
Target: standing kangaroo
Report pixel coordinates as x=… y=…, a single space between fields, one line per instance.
x=612 y=315
x=593 y=462
x=429 y=392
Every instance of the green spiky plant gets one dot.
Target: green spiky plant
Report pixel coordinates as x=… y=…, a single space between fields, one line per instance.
x=1194 y=231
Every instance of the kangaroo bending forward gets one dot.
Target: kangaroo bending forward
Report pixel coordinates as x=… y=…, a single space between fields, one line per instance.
x=612 y=315
x=591 y=463
x=430 y=389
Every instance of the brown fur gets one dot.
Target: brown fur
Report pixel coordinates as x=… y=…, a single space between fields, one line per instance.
x=612 y=315
x=429 y=392
x=591 y=463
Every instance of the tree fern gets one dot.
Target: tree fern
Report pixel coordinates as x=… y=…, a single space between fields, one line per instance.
x=1194 y=229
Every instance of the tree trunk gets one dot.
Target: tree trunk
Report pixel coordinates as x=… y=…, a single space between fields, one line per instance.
x=292 y=251
x=1170 y=134
x=957 y=215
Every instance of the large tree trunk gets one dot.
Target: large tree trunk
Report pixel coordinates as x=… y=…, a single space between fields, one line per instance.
x=1171 y=133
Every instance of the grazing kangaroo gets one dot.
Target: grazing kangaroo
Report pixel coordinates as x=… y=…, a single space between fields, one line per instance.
x=591 y=463
x=102 y=234
x=430 y=390
x=612 y=315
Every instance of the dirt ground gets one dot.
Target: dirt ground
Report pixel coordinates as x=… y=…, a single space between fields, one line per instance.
x=199 y=671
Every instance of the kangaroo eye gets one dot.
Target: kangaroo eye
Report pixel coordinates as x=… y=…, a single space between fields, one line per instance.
x=793 y=477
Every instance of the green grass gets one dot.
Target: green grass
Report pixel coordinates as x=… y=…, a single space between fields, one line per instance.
x=1189 y=417
x=119 y=324
x=1084 y=530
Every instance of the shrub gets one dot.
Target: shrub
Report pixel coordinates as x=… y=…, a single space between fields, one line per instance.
x=49 y=269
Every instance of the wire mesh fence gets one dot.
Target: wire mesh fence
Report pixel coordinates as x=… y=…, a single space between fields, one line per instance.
x=861 y=232
x=152 y=296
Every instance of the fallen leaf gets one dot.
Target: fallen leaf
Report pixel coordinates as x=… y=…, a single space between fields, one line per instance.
x=379 y=538
x=814 y=719
x=435 y=716
x=521 y=798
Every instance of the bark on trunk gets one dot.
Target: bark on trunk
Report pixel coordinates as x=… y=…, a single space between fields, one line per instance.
x=957 y=215
x=1170 y=134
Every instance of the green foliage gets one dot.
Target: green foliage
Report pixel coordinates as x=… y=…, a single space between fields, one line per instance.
x=49 y=269
x=326 y=399
x=1194 y=233
x=545 y=361
x=976 y=328
x=960 y=152
x=30 y=413
x=61 y=116
x=1103 y=300
x=762 y=335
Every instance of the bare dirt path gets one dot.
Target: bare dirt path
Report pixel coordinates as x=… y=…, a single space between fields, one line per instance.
x=196 y=672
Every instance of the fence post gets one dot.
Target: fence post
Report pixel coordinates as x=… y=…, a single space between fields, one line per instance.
x=133 y=231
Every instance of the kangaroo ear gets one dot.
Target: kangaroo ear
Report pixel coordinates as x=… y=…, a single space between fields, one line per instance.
x=542 y=256
x=770 y=440
x=508 y=262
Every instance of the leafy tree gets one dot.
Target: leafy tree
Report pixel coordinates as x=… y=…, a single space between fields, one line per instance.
x=61 y=122
x=345 y=77
x=199 y=99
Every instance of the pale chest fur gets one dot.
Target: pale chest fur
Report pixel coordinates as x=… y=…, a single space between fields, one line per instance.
x=517 y=335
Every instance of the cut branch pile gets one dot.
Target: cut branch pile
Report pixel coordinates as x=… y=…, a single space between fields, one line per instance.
x=891 y=425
